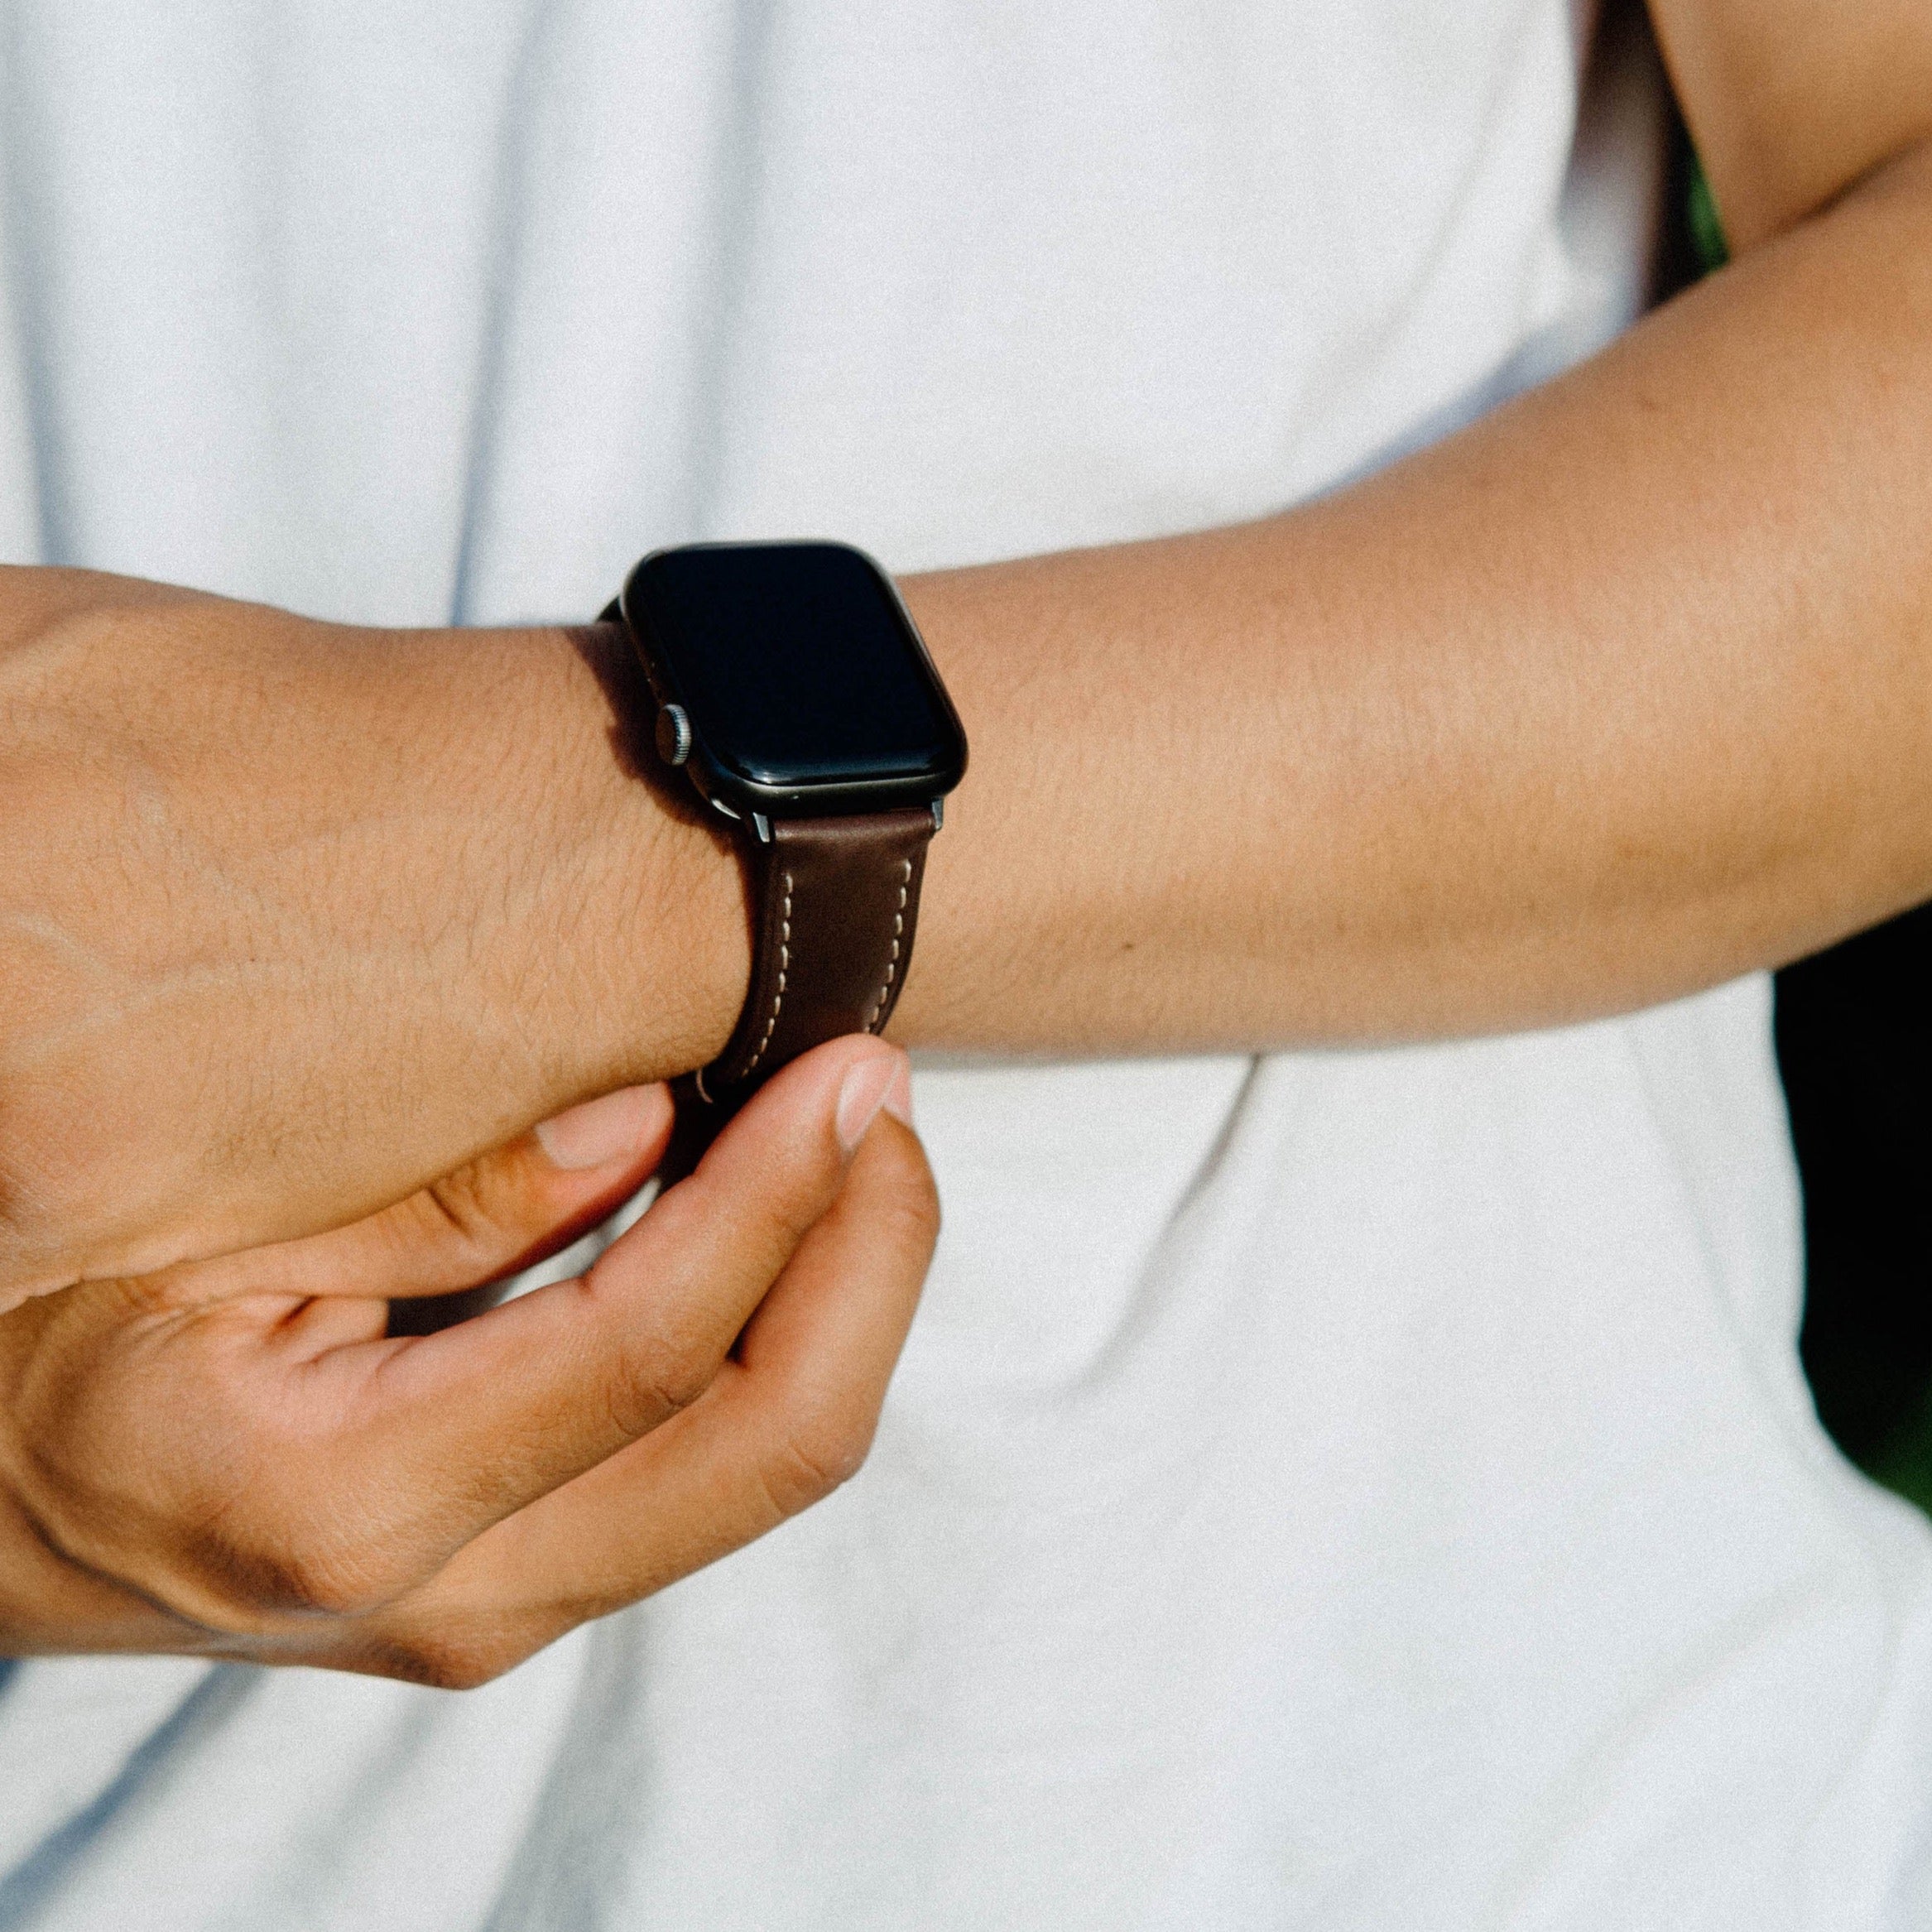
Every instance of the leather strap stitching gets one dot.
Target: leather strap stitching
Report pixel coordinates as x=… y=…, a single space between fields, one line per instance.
x=784 y=967
x=872 y=1011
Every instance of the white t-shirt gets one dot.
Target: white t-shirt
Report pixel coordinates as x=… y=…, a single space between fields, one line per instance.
x=1343 y=1490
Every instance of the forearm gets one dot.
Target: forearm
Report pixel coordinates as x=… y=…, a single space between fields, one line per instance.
x=1625 y=690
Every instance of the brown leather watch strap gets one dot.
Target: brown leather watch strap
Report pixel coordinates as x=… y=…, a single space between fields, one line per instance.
x=836 y=901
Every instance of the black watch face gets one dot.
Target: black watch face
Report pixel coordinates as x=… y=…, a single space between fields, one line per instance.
x=800 y=674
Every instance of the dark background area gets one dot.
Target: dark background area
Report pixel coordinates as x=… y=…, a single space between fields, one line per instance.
x=1855 y=1047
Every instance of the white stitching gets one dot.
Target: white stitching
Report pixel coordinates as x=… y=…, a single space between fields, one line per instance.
x=871 y=1018
x=784 y=967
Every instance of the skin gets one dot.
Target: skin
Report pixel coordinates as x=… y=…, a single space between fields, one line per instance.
x=1623 y=692
x=233 y=1458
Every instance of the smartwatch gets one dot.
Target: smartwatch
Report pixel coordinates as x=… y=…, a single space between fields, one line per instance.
x=796 y=696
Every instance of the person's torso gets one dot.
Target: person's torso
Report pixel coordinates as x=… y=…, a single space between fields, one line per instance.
x=1344 y=1490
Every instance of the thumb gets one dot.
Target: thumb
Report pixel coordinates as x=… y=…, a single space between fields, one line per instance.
x=503 y=1211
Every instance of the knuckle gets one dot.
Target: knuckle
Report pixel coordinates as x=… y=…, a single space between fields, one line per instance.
x=448 y=1647
x=448 y=1662
x=465 y=1207
x=819 y=1451
x=662 y=1374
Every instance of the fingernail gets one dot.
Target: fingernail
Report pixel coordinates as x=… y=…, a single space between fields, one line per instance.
x=606 y=1129
x=863 y=1094
x=898 y=1101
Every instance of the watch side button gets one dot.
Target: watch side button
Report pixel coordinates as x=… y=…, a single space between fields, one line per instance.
x=673 y=734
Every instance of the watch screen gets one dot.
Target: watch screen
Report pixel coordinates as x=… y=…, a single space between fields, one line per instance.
x=796 y=664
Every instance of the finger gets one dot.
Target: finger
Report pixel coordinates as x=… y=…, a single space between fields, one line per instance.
x=440 y=1436
x=787 y=1420
x=504 y=1211
x=193 y=1457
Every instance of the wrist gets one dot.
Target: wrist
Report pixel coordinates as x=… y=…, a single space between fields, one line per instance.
x=659 y=946
x=605 y=932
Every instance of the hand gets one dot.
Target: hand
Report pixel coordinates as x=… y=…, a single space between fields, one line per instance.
x=232 y=1459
